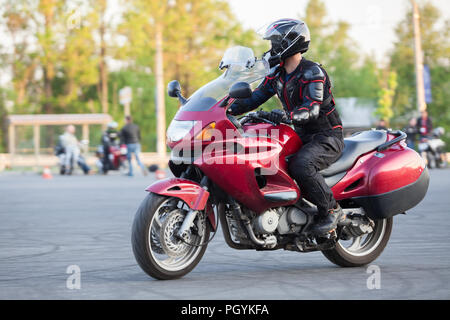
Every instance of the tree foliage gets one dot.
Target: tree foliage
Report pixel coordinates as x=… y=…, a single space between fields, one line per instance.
x=62 y=66
x=352 y=74
x=385 y=99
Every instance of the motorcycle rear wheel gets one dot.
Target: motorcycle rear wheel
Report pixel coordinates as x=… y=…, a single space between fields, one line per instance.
x=156 y=250
x=364 y=249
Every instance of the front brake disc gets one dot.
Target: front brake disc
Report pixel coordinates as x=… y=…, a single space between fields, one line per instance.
x=171 y=245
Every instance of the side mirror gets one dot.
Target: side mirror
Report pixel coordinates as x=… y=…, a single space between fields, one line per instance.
x=240 y=90
x=174 y=91
x=174 y=88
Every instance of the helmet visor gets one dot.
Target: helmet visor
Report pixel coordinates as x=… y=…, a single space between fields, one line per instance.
x=282 y=34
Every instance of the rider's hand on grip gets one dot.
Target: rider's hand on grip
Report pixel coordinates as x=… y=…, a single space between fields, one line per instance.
x=235 y=109
x=276 y=116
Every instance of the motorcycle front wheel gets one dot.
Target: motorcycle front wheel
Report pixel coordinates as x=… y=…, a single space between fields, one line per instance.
x=362 y=250
x=155 y=246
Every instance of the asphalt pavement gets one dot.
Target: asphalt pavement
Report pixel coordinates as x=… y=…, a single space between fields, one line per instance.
x=51 y=227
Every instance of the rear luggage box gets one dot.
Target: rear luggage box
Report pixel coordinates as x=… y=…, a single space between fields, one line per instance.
x=396 y=185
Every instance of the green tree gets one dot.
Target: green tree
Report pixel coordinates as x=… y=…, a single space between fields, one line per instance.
x=386 y=94
x=23 y=60
x=352 y=74
x=195 y=36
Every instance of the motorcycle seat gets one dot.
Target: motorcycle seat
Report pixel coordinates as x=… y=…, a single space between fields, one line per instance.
x=356 y=145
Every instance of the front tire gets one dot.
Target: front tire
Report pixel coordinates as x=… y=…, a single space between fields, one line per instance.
x=158 y=217
x=363 y=251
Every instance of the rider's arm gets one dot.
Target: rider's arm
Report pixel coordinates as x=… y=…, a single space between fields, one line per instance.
x=313 y=82
x=260 y=95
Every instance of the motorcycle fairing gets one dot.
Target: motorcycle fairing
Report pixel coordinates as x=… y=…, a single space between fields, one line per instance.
x=240 y=181
x=189 y=191
x=186 y=190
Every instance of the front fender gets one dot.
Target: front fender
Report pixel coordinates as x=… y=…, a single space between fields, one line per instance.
x=186 y=190
x=189 y=191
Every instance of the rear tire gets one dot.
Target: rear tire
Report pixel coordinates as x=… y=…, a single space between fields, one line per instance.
x=142 y=250
x=344 y=257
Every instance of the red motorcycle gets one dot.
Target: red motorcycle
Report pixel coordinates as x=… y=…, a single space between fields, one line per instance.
x=236 y=170
x=117 y=159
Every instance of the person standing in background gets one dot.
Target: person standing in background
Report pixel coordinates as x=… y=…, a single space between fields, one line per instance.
x=411 y=131
x=424 y=124
x=131 y=136
x=381 y=125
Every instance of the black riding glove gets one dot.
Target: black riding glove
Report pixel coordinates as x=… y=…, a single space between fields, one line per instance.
x=236 y=108
x=276 y=116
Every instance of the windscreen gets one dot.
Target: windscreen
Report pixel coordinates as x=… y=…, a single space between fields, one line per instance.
x=236 y=63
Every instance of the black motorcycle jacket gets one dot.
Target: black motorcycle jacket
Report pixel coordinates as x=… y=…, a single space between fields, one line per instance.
x=110 y=137
x=306 y=97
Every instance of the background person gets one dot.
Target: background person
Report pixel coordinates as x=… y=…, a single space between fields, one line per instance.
x=381 y=125
x=109 y=138
x=131 y=136
x=71 y=146
x=424 y=124
x=411 y=131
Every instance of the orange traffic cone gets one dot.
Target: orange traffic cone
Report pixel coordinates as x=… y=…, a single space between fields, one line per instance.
x=47 y=174
x=160 y=174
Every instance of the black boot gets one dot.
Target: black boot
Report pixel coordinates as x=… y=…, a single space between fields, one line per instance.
x=328 y=222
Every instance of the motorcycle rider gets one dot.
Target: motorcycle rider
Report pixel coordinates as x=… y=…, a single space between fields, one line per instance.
x=110 y=137
x=304 y=89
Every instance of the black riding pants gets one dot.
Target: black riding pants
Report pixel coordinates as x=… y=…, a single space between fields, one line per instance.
x=107 y=165
x=318 y=152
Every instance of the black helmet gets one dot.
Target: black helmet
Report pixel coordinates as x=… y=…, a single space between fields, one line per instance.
x=288 y=37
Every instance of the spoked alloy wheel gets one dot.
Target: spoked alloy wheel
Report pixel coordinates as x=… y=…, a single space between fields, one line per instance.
x=361 y=249
x=157 y=249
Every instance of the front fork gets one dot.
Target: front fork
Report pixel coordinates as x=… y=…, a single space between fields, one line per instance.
x=188 y=221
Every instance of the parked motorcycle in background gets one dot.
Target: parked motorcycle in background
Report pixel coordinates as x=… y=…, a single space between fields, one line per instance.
x=432 y=149
x=117 y=159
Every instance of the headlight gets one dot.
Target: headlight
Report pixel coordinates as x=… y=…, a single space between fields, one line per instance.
x=179 y=129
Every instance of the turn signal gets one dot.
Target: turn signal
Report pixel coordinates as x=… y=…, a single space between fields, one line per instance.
x=207 y=133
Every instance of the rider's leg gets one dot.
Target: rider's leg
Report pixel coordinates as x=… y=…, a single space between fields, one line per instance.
x=130 y=150
x=137 y=152
x=70 y=159
x=106 y=161
x=304 y=167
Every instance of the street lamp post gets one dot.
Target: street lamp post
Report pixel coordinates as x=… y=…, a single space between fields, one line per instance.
x=160 y=107
x=418 y=54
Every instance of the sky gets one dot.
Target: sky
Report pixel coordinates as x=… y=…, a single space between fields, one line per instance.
x=372 y=21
